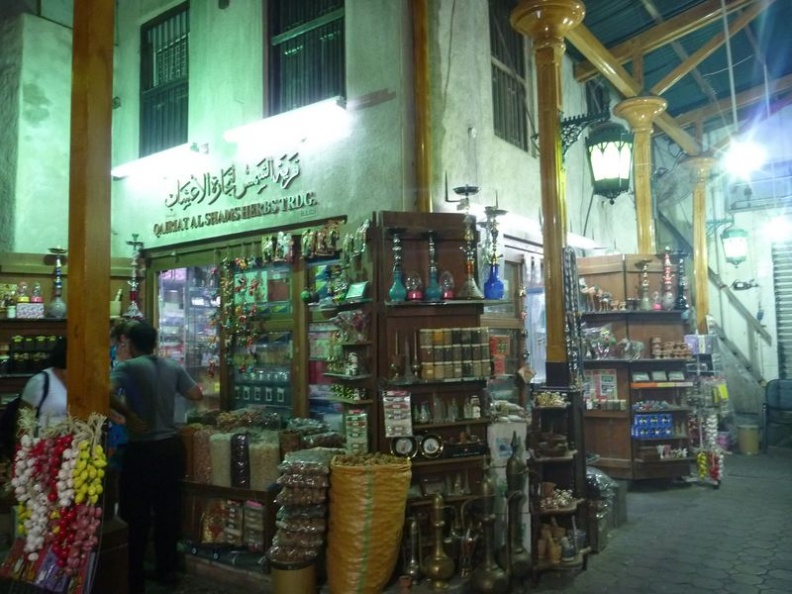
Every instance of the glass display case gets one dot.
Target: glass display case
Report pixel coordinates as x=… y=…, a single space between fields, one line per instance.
x=187 y=306
x=260 y=327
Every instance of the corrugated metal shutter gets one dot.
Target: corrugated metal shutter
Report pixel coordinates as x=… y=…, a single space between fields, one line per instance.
x=782 y=281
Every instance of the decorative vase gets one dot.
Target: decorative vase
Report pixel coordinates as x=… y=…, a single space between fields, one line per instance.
x=493 y=286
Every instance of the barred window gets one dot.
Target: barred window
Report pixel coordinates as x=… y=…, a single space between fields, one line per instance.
x=509 y=76
x=306 y=58
x=164 y=80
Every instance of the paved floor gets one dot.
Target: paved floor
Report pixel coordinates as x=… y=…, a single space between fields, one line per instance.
x=686 y=539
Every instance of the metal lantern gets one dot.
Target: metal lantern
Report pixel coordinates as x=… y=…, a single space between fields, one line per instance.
x=735 y=244
x=609 y=148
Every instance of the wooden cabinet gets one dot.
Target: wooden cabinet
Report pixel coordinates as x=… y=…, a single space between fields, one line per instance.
x=24 y=349
x=636 y=417
x=435 y=353
x=558 y=493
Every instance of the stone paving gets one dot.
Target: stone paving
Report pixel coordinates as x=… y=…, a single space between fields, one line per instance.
x=735 y=539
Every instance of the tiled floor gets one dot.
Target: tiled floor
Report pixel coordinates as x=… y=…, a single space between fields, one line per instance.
x=689 y=539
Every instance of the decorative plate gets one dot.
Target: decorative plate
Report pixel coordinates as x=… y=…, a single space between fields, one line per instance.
x=406 y=447
x=431 y=446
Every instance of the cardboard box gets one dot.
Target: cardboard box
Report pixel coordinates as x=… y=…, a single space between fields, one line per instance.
x=30 y=311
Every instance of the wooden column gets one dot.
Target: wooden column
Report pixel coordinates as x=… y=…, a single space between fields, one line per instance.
x=700 y=167
x=88 y=291
x=640 y=112
x=423 y=136
x=547 y=22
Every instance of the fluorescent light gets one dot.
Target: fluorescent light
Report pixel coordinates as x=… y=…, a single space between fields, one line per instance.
x=167 y=162
x=320 y=122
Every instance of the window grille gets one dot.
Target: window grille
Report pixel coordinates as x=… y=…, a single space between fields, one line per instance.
x=164 y=80
x=509 y=78
x=306 y=58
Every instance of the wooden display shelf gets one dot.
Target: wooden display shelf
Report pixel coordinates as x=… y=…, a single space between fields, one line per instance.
x=576 y=562
x=420 y=382
x=606 y=362
x=365 y=402
x=355 y=343
x=462 y=423
x=671 y=409
x=560 y=511
x=445 y=461
x=450 y=499
x=648 y=385
x=665 y=460
x=667 y=438
x=338 y=305
x=216 y=491
x=449 y=303
x=568 y=457
x=607 y=414
x=350 y=378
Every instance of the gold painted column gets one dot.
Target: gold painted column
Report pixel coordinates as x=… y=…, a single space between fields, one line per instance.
x=423 y=136
x=547 y=22
x=640 y=113
x=89 y=207
x=700 y=167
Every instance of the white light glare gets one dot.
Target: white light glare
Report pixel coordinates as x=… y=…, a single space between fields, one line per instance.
x=168 y=162
x=744 y=157
x=778 y=229
x=324 y=121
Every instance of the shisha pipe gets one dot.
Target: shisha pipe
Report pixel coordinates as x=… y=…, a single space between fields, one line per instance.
x=133 y=311
x=470 y=289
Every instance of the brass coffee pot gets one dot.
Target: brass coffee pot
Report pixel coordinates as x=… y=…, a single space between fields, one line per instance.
x=438 y=566
x=519 y=559
x=488 y=577
x=413 y=566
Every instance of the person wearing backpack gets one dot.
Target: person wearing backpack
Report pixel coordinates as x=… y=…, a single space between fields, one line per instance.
x=46 y=391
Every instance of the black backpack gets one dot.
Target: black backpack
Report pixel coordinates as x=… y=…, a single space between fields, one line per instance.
x=8 y=420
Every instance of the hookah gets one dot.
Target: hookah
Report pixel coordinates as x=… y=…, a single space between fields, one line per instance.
x=133 y=311
x=438 y=566
x=513 y=554
x=469 y=289
x=668 y=295
x=681 y=303
x=434 y=291
x=57 y=307
x=398 y=291
x=488 y=577
x=493 y=286
x=644 y=304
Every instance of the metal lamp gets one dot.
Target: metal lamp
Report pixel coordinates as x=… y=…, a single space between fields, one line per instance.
x=609 y=148
x=735 y=245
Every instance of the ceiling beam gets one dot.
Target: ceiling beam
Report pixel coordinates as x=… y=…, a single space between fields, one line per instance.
x=708 y=48
x=626 y=85
x=664 y=33
x=703 y=84
x=749 y=97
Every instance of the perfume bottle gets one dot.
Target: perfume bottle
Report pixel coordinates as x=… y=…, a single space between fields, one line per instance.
x=414 y=286
x=447 y=284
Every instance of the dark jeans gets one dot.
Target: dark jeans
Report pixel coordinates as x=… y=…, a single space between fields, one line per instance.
x=149 y=489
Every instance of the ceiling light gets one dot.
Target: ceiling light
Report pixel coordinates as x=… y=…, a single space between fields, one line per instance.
x=609 y=148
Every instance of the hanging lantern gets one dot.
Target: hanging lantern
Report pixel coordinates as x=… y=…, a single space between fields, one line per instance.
x=735 y=245
x=609 y=148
